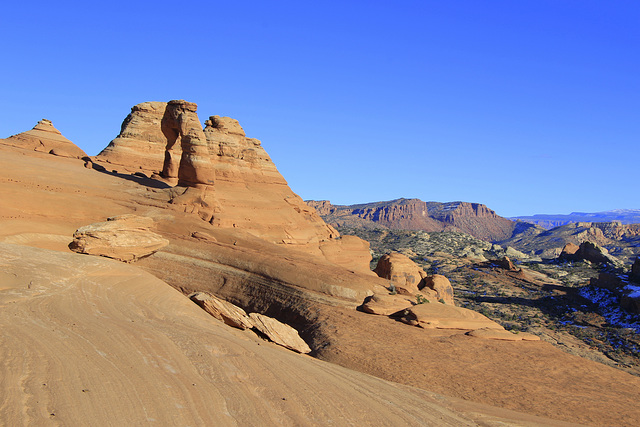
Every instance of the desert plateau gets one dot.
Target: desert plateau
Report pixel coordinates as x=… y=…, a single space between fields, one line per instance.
x=176 y=279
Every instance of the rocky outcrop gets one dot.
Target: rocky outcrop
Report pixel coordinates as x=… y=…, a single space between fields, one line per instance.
x=441 y=286
x=44 y=137
x=165 y=138
x=239 y=187
x=591 y=252
x=125 y=238
x=385 y=305
x=442 y=316
x=189 y=163
x=408 y=278
x=414 y=214
x=279 y=333
x=569 y=250
x=405 y=274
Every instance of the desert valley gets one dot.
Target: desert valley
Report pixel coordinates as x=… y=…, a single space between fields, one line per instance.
x=176 y=279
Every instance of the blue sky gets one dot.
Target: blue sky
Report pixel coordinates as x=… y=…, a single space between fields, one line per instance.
x=525 y=106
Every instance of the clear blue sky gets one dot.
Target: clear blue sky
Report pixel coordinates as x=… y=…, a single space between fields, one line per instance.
x=526 y=106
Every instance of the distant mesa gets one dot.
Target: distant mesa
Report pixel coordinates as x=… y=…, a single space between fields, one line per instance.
x=45 y=138
x=413 y=214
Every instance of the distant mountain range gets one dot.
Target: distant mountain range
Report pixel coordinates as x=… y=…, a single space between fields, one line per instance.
x=625 y=216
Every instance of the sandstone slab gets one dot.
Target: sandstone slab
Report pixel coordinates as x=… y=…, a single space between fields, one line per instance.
x=280 y=333
x=230 y=314
x=125 y=238
x=498 y=334
x=385 y=305
x=442 y=316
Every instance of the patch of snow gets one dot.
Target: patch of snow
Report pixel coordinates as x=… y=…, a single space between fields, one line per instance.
x=635 y=291
x=609 y=306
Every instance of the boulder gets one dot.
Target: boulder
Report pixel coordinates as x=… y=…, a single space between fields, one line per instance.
x=125 y=238
x=230 y=314
x=405 y=274
x=279 y=333
x=443 y=316
x=506 y=264
x=44 y=137
x=385 y=305
x=441 y=285
x=588 y=251
x=569 y=249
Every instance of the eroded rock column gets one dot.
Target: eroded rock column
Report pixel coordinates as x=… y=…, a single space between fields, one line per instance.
x=192 y=167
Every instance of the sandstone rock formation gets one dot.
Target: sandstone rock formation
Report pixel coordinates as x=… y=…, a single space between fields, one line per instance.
x=44 y=137
x=409 y=279
x=441 y=286
x=125 y=238
x=247 y=192
x=399 y=269
x=414 y=214
x=385 y=304
x=190 y=164
x=591 y=252
x=230 y=314
x=443 y=316
x=569 y=249
x=279 y=333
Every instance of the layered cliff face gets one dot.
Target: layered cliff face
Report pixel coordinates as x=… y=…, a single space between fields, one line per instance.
x=242 y=187
x=414 y=214
x=44 y=137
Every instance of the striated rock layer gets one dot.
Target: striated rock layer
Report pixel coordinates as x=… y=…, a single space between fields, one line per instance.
x=44 y=137
x=414 y=214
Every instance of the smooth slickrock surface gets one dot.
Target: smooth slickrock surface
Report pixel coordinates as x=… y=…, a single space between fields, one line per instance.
x=90 y=341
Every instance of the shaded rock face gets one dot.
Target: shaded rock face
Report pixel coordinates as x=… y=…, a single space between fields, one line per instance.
x=414 y=214
x=44 y=137
x=634 y=275
x=125 y=238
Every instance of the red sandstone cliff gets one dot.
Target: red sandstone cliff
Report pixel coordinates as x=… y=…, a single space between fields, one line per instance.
x=414 y=214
